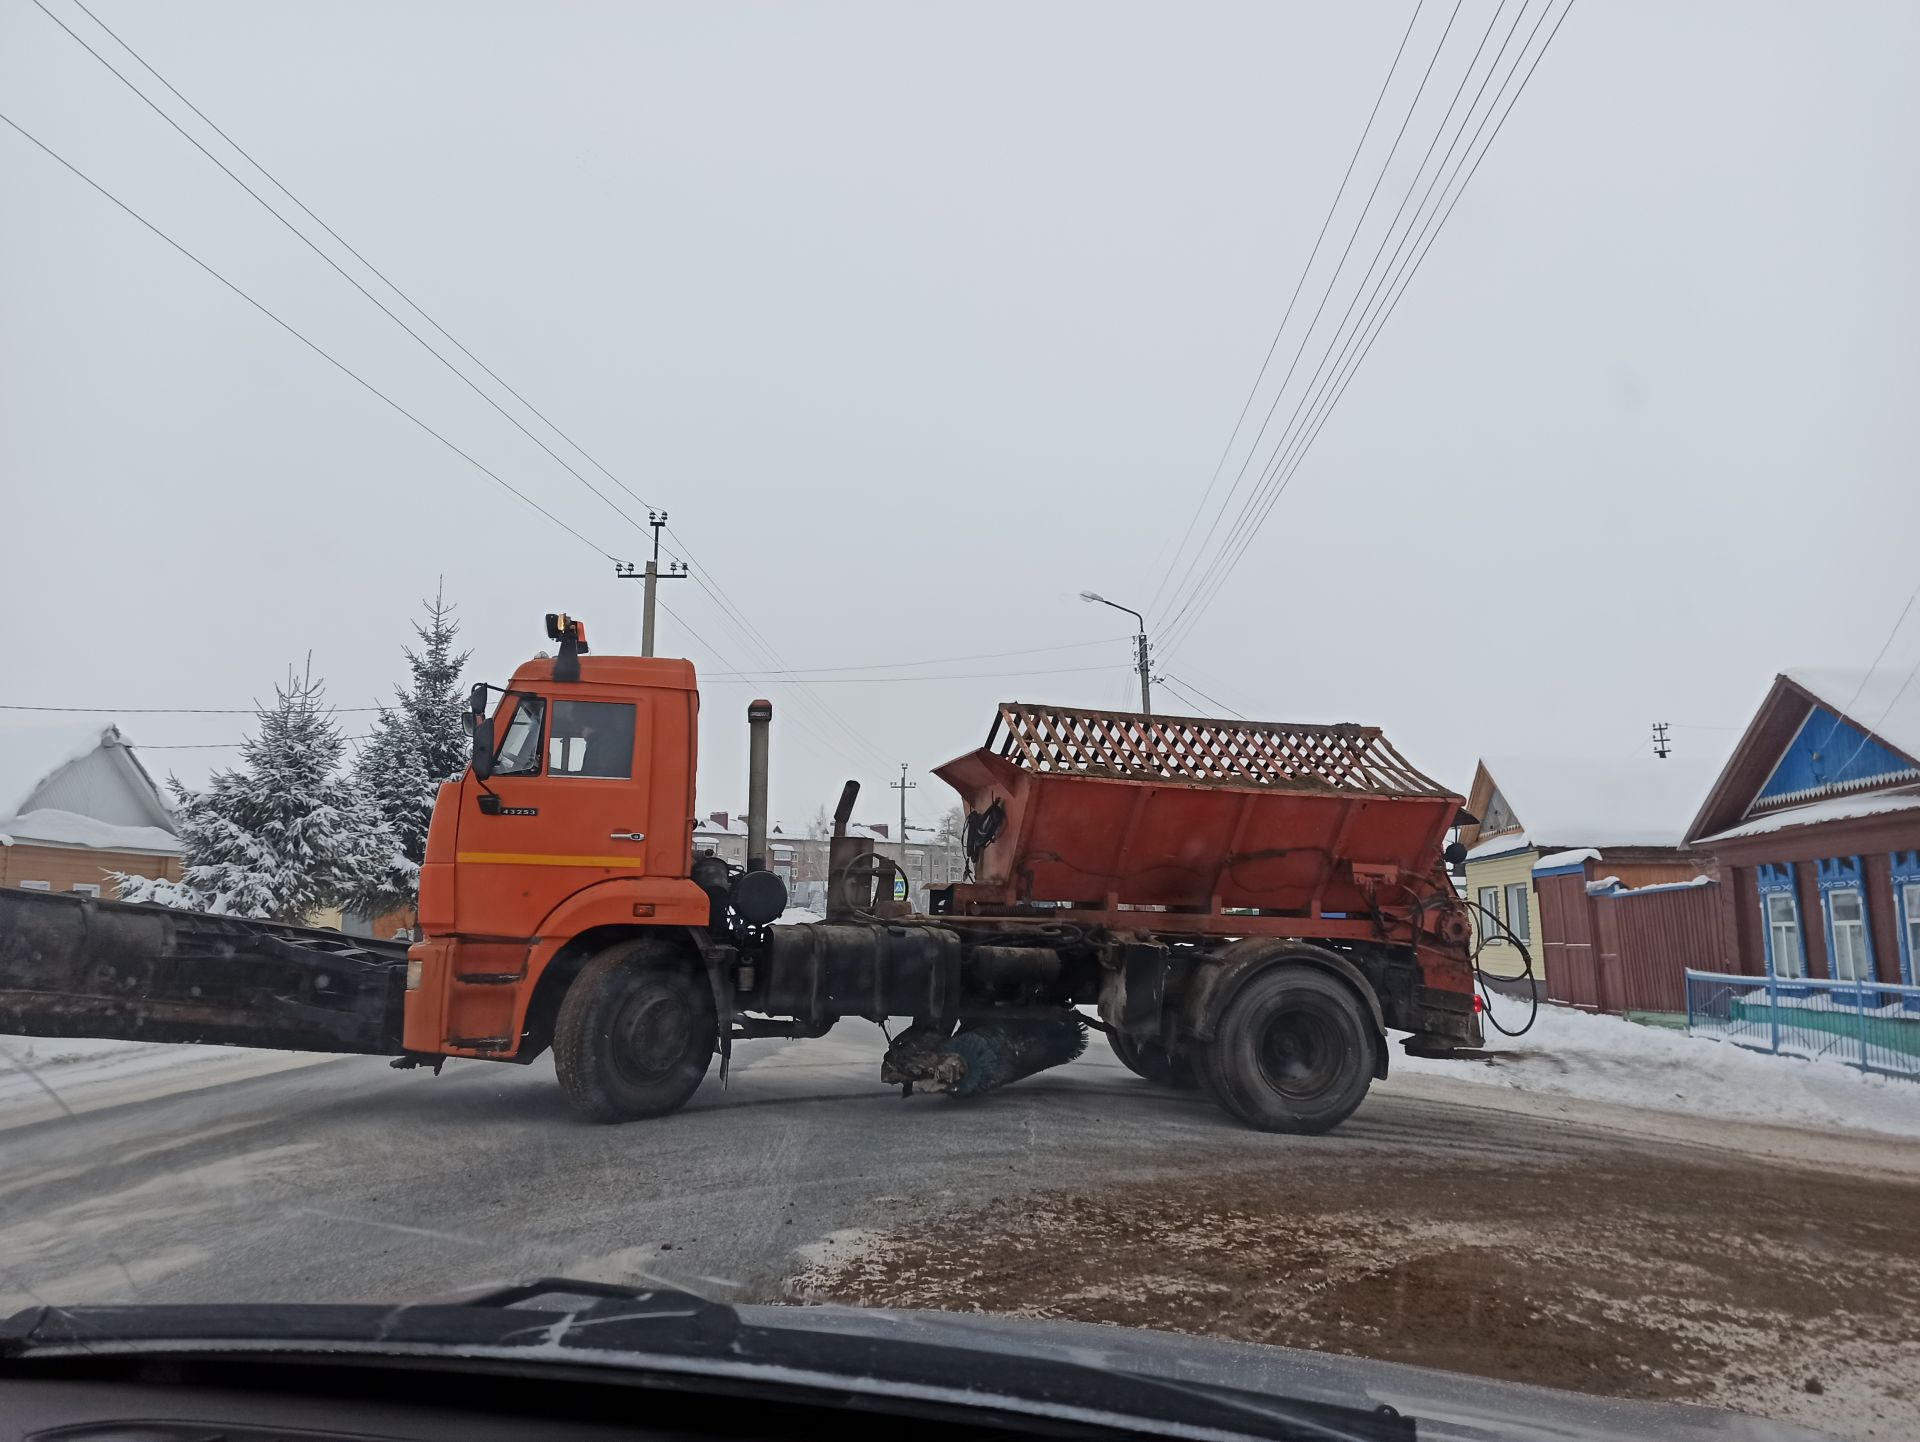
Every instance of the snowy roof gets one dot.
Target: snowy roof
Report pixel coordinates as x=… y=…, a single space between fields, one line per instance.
x=1554 y=860
x=1880 y=706
x=65 y=828
x=1501 y=845
x=1609 y=886
x=29 y=755
x=1578 y=801
x=736 y=825
x=1838 y=808
x=80 y=785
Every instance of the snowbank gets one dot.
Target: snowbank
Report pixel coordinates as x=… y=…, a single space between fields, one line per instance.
x=1603 y=1058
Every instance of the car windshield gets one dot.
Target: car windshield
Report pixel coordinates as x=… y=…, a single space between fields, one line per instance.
x=1242 y=673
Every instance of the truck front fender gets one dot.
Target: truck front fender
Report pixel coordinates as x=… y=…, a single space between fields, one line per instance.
x=621 y=901
x=1219 y=978
x=626 y=903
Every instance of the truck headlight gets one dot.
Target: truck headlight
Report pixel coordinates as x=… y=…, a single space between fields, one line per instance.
x=413 y=973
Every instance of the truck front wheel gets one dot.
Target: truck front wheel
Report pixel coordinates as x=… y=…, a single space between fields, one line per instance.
x=635 y=1033
x=1294 y=1052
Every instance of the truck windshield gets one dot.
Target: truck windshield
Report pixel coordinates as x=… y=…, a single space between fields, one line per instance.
x=519 y=753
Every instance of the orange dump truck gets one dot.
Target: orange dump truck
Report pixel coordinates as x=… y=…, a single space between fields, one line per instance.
x=1246 y=907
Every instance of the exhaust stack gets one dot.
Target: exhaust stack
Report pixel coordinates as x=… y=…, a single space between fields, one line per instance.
x=759 y=720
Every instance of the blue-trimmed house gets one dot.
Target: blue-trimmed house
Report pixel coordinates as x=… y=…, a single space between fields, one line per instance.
x=1815 y=825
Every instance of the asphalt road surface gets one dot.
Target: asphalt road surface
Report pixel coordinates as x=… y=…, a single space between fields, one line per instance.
x=805 y=1178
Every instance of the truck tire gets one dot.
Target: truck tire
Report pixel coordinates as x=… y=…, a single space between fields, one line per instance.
x=1150 y=1060
x=635 y=1033
x=1294 y=1052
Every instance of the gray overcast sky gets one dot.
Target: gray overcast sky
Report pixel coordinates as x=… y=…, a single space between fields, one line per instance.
x=922 y=319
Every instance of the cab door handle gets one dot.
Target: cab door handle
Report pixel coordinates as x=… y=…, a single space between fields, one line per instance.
x=627 y=836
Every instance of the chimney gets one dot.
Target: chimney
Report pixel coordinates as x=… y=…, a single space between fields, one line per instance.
x=880 y=828
x=719 y=819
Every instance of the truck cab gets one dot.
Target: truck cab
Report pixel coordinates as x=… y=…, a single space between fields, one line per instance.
x=574 y=822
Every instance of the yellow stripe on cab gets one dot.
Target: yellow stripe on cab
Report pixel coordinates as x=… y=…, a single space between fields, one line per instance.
x=529 y=858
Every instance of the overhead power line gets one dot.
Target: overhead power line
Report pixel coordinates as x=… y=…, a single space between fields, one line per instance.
x=307 y=241
x=717 y=678
x=1170 y=684
x=1307 y=398
x=1292 y=300
x=1204 y=697
x=1332 y=281
x=337 y=364
x=1885 y=711
x=327 y=356
x=757 y=640
x=900 y=680
x=217 y=745
x=174 y=710
x=704 y=676
x=728 y=609
x=926 y=661
x=1860 y=690
x=1399 y=282
x=1429 y=233
x=349 y=248
x=1878 y=657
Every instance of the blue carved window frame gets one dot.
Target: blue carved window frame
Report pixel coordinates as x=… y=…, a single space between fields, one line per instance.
x=1777 y=880
x=1906 y=872
x=1846 y=873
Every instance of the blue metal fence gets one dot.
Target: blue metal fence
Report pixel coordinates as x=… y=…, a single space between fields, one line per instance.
x=1865 y=1024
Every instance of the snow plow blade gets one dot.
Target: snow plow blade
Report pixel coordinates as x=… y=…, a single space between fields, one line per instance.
x=74 y=966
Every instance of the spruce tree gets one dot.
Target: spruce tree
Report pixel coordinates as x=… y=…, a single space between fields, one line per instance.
x=417 y=743
x=433 y=698
x=285 y=834
x=391 y=773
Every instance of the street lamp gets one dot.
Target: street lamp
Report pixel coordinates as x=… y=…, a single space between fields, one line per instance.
x=1140 y=646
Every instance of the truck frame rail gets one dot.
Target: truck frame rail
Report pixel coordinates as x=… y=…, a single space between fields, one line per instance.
x=77 y=966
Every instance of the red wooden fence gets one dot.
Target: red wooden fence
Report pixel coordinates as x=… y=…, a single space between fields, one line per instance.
x=1625 y=950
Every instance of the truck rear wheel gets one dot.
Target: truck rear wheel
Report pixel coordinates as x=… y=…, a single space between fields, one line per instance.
x=635 y=1033
x=1154 y=1062
x=1294 y=1052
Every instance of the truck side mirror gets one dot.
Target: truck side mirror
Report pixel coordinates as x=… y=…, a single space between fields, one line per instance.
x=482 y=745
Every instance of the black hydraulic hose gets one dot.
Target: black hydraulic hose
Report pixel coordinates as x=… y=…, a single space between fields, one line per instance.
x=1526 y=974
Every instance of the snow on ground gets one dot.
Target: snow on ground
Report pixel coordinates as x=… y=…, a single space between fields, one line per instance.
x=1605 y=1058
x=43 y=1077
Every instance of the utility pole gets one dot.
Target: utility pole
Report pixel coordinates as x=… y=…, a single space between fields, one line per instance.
x=903 y=786
x=1142 y=652
x=650 y=579
x=1661 y=745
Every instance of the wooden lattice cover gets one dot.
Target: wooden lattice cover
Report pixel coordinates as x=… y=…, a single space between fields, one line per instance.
x=1195 y=750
